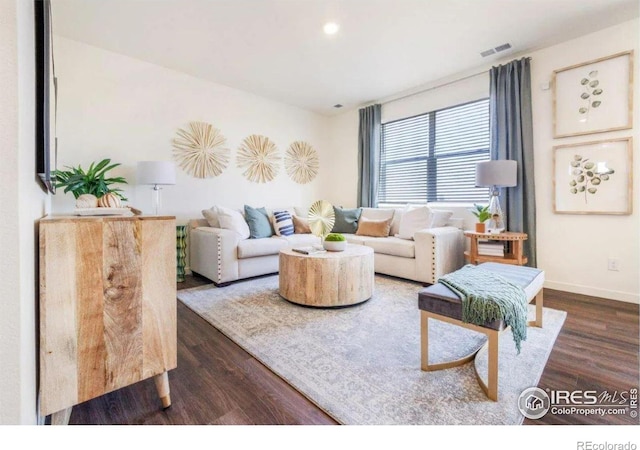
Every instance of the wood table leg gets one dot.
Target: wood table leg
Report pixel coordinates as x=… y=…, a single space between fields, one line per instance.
x=61 y=417
x=162 y=386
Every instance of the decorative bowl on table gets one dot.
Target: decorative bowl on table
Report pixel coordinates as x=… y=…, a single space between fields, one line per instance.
x=334 y=242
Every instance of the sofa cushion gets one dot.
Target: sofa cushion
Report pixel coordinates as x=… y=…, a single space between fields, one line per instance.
x=374 y=228
x=439 y=217
x=395 y=223
x=346 y=220
x=282 y=223
x=300 y=225
x=413 y=219
x=258 y=221
x=301 y=240
x=355 y=239
x=231 y=219
x=392 y=246
x=250 y=248
x=377 y=213
x=211 y=215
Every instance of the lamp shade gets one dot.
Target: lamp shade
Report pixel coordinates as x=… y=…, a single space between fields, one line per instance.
x=499 y=173
x=156 y=172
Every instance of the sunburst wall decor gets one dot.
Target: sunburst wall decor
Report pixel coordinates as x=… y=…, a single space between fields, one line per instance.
x=301 y=162
x=258 y=155
x=200 y=150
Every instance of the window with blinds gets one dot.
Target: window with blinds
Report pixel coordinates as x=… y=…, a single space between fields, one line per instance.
x=432 y=157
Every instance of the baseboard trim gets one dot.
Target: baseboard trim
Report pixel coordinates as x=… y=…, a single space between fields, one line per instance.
x=627 y=297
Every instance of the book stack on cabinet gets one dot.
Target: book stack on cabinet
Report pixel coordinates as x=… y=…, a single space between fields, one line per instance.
x=490 y=248
x=505 y=247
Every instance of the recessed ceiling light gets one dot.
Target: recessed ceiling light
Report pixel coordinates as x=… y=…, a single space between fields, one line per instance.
x=338 y=105
x=331 y=28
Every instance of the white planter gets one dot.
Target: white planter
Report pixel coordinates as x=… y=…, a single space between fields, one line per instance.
x=334 y=246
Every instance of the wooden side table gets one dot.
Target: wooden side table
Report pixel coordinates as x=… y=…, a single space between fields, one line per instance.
x=514 y=256
x=107 y=307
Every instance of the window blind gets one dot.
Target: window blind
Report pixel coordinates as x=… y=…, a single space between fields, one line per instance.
x=432 y=157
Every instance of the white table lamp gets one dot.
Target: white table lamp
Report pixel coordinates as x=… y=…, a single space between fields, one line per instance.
x=156 y=173
x=496 y=174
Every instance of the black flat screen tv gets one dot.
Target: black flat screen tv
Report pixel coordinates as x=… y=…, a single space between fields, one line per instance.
x=46 y=94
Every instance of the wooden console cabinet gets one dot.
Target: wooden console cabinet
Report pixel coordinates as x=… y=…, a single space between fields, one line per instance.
x=107 y=307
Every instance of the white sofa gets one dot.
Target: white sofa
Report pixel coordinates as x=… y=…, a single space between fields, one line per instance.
x=221 y=256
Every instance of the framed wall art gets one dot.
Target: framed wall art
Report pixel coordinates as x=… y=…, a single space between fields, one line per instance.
x=593 y=97
x=593 y=177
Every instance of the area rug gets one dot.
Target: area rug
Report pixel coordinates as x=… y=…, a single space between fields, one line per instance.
x=361 y=364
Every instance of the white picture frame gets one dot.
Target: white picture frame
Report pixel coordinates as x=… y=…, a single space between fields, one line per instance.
x=593 y=97
x=593 y=177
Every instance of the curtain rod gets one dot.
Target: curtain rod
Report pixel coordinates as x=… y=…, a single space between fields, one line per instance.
x=466 y=77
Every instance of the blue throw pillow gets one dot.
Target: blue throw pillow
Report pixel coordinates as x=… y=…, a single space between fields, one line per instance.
x=283 y=223
x=346 y=220
x=258 y=221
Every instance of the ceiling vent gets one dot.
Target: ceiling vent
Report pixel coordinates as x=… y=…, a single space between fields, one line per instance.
x=499 y=48
x=487 y=52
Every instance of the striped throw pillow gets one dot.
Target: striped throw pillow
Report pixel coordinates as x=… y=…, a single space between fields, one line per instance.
x=282 y=223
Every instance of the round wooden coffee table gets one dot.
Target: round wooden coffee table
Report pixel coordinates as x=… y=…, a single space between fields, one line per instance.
x=328 y=279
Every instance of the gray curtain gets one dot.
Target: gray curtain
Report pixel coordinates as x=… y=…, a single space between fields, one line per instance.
x=512 y=138
x=369 y=155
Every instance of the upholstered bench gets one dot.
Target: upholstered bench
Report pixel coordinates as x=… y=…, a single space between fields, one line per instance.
x=441 y=303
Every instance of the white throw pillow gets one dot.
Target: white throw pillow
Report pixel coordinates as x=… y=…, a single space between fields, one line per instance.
x=231 y=219
x=439 y=217
x=413 y=219
x=211 y=215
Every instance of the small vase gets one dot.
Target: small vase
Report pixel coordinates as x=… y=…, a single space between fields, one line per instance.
x=480 y=227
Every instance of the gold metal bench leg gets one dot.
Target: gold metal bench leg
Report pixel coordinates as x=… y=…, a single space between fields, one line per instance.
x=539 y=299
x=424 y=344
x=539 y=304
x=424 y=341
x=494 y=339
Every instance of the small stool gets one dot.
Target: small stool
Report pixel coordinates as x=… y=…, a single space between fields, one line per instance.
x=441 y=303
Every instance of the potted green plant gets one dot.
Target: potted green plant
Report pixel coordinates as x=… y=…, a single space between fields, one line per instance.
x=482 y=214
x=92 y=182
x=334 y=242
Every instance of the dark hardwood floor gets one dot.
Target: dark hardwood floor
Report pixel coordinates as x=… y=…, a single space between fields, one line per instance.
x=218 y=383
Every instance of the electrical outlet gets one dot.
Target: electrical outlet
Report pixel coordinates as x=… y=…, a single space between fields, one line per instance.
x=614 y=264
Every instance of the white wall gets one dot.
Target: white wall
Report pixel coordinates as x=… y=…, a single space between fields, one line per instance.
x=114 y=106
x=573 y=250
x=22 y=203
x=468 y=89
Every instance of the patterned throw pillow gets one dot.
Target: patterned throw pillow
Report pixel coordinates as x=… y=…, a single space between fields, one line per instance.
x=282 y=223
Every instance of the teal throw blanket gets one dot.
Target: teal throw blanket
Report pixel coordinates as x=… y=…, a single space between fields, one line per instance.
x=487 y=296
